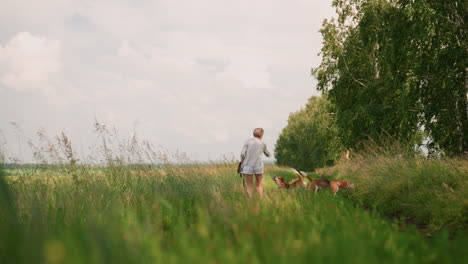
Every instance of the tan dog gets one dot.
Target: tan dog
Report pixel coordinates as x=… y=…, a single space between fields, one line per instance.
x=321 y=183
x=299 y=183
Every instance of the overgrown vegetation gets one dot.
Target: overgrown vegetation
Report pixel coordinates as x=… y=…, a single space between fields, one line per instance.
x=430 y=193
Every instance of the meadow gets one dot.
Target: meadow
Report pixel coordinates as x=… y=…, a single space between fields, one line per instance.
x=197 y=214
x=130 y=202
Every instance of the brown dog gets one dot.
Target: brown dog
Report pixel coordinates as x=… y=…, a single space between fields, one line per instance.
x=321 y=183
x=299 y=183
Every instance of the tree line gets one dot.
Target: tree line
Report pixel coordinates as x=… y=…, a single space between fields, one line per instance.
x=390 y=68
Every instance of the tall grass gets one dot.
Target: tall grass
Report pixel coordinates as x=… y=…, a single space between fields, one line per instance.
x=199 y=215
x=429 y=192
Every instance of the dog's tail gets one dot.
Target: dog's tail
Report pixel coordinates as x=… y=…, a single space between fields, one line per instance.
x=297 y=173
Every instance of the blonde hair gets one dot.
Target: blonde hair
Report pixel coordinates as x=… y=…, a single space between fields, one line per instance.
x=258 y=132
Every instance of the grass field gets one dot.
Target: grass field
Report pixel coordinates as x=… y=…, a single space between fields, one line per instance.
x=198 y=215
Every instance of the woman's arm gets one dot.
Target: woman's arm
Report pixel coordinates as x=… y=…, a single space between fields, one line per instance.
x=265 y=150
x=243 y=151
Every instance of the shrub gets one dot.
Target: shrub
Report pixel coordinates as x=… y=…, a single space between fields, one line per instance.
x=310 y=140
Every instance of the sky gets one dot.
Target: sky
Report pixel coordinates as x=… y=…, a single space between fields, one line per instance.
x=193 y=76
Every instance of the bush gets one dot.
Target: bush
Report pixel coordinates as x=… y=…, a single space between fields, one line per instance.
x=310 y=140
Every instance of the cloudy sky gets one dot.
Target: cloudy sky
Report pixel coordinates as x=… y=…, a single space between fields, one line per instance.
x=194 y=76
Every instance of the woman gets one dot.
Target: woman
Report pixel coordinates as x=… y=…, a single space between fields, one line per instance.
x=251 y=158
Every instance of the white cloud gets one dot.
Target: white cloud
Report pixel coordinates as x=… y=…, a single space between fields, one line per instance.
x=29 y=62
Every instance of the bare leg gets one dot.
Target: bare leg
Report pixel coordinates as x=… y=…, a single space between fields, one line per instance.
x=249 y=184
x=259 y=180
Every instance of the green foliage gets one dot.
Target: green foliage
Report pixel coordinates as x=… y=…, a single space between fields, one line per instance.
x=395 y=68
x=438 y=48
x=310 y=139
x=201 y=215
